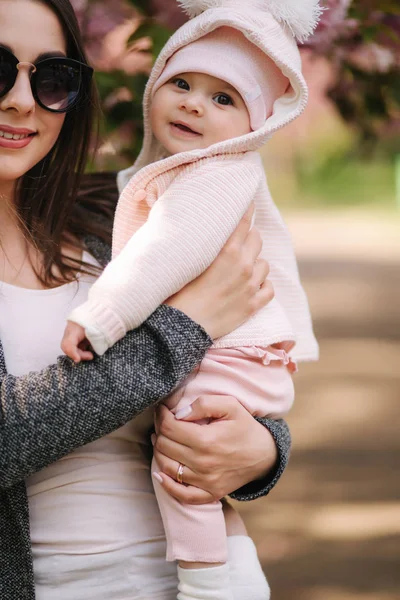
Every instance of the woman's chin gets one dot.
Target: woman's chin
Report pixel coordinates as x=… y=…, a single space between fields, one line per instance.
x=13 y=166
x=11 y=172
x=16 y=162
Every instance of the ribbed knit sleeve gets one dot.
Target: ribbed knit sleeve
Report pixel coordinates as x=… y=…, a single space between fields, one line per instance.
x=186 y=229
x=46 y=415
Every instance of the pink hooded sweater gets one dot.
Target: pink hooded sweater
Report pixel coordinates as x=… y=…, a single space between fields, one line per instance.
x=175 y=213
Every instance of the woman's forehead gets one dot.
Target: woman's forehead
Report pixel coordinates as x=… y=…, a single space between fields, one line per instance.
x=30 y=28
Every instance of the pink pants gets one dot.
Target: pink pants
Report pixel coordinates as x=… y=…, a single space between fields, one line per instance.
x=260 y=379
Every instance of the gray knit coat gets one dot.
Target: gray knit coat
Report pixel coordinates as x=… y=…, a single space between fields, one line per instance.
x=46 y=415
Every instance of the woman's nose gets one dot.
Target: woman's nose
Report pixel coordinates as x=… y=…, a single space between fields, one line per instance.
x=20 y=97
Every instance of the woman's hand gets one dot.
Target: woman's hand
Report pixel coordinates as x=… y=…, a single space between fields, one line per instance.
x=233 y=288
x=218 y=458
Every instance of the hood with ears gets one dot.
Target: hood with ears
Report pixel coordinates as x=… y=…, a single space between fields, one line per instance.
x=274 y=26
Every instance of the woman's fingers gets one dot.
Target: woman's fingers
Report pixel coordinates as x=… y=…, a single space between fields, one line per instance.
x=180 y=436
x=172 y=451
x=253 y=245
x=210 y=407
x=261 y=272
x=168 y=466
x=260 y=288
x=264 y=296
x=185 y=432
x=194 y=445
x=242 y=248
x=188 y=491
x=185 y=494
x=209 y=452
x=199 y=469
x=169 y=427
x=242 y=230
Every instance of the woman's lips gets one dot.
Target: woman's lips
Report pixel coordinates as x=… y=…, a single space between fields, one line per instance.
x=15 y=138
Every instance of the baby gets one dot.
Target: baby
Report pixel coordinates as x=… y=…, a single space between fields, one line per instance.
x=223 y=83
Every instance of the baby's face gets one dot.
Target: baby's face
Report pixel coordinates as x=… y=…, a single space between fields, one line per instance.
x=194 y=111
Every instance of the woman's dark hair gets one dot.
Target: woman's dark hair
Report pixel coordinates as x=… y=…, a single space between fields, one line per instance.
x=47 y=196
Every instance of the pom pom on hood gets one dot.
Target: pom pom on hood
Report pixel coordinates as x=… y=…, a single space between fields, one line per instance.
x=300 y=16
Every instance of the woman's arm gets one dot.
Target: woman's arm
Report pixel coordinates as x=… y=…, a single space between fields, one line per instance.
x=46 y=415
x=215 y=463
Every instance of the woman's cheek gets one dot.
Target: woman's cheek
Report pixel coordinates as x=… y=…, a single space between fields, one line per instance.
x=52 y=128
x=14 y=165
x=49 y=132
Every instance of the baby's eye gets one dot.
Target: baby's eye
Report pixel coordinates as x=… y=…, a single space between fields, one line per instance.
x=223 y=99
x=181 y=83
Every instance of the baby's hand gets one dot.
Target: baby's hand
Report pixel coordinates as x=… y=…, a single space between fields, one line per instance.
x=74 y=343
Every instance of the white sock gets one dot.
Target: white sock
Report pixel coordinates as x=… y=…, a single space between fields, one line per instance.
x=211 y=583
x=247 y=579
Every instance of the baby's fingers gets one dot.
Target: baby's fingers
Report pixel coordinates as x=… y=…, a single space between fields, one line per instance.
x=70 y=348
x=74 y=343
x=85 y=354
x=85 y=350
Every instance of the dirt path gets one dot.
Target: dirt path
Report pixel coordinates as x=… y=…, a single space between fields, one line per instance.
x=331 y=529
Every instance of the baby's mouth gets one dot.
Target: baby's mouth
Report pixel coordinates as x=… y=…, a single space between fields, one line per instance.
x=185 y=128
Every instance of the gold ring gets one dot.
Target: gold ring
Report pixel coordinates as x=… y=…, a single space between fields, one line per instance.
x=179 y=473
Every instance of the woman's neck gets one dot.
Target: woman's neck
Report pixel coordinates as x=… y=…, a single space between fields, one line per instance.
x=20 y=261
x=16 y=256
x=8 y=218
x=7 y=196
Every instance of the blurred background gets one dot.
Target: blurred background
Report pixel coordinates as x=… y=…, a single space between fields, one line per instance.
x=331 y=528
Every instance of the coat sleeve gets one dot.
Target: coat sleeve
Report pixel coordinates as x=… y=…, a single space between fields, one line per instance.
x=261 y=487
x=186 y=229
x=46 y=415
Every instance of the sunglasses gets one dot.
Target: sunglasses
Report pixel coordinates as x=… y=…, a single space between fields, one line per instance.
x=58 y=84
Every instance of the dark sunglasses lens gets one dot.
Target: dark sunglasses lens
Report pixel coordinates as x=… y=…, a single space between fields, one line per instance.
x=58 y=85
x=6 y=71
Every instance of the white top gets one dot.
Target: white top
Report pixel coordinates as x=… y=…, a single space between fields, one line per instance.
x=95 y=524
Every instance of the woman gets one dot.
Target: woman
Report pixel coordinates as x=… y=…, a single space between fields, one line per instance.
x=86 y=507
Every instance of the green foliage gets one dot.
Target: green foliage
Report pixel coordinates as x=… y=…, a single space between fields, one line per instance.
x=141 y=5
x=343 y=180
x=121 y=93
x=158 y=34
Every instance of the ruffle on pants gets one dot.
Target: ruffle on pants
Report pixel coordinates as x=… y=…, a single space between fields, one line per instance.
x=268 y=355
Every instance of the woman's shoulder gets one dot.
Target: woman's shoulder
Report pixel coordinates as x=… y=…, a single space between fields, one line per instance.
x=98 y=248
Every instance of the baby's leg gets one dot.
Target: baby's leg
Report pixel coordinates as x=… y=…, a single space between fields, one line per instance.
x=196 y=537
x=246 y=576
x=195 y=534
